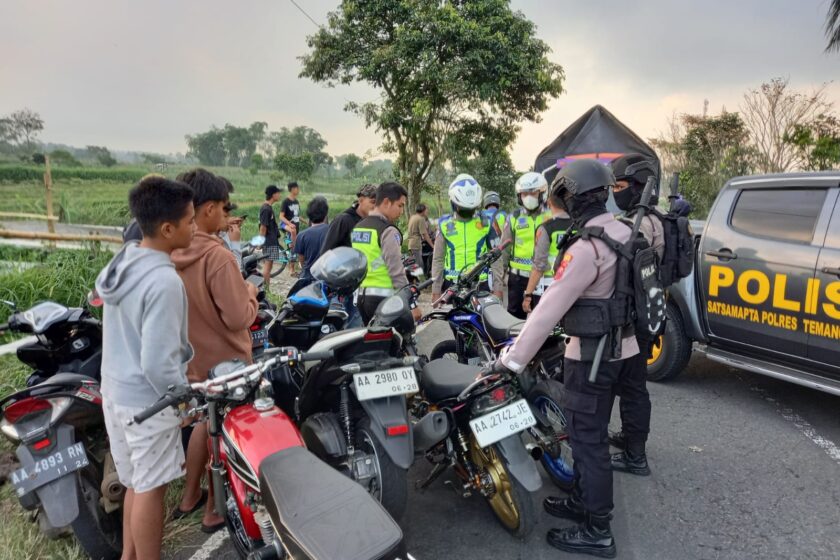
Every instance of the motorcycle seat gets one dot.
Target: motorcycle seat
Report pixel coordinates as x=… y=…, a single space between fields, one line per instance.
x=322 y=514
x=499 y=324
x=444 y=379
x=65 y=378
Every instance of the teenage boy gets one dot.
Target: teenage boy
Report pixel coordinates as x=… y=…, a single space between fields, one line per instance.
x=308 y=245
x=290 y=216
x=269 y=230
x=145 y=350
x=221 y=308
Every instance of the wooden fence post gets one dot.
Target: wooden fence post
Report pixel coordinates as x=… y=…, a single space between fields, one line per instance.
x=49 y=199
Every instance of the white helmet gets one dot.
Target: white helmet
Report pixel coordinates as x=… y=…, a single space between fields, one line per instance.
x=530 y=182
x=465 y=192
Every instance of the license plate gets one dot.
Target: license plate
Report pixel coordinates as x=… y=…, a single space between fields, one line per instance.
x=259 y=337
x=47 y=469
x=501 y=423
x=387 y=383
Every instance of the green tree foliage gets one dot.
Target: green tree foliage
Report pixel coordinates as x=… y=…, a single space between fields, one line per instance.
x=21 y=129
x=298 y=141
x=208 y=147
x=102 y=155
x=457 y=71
x=65 y=158
x=491 y=166
x=295 y=166
x=257 y=163
x=153 y=159
x=817 y=143
x=832 y=26
x=351 y=163
x=38 y=158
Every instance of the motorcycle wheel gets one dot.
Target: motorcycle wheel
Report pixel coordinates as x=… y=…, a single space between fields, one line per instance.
x=279 y=266
x=511 y=503
x=558 y=466
x=390 y=486
x=242 y=543
x=99 y=534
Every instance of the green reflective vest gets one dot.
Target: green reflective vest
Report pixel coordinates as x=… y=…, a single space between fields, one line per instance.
x=465 y=241
x=523 y=229
x=366 y=237
x=555 y=227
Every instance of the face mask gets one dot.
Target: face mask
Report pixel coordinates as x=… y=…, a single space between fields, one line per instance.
x=531 y=202
x=465 y=213
x=624 y=198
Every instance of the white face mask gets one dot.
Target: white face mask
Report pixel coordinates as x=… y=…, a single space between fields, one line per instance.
x=530 y=202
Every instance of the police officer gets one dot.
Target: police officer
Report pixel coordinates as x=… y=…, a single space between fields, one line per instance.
x=548 y=235
x=381 y=242
x=521 y=229
x=495 y=216
x=631 y=173
x=585 y=276
x=463 y=236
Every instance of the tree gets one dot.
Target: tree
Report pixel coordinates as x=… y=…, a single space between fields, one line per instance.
x=257 y=162
x=832 y=26
x=208 y=147
x=295 y=166
x=63 y=157
x=153 y=159
x=464 y=69
x=773 y=112
x=817 y=143
x=21 y=128
x=38 y=158
x=102 y=155
x=300 y=140
x=351 y=163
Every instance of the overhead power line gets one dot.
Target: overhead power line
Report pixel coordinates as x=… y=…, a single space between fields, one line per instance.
x=304 y=13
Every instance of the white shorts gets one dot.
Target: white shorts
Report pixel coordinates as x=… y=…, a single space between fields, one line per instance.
x=146 y=455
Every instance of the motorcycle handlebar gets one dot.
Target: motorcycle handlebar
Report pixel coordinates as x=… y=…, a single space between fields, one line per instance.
x=425 y=284
x=166 y=401
x=316 y=356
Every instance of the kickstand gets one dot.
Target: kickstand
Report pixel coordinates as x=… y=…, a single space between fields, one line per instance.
x=434 y=475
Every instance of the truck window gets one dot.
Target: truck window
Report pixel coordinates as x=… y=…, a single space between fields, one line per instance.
x=785 y=214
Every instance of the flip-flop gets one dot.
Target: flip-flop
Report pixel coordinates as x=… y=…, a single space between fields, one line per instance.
x=210 y=529
x=178 y=513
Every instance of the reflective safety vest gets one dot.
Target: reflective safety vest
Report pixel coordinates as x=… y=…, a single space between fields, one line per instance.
x=465 y=242
x=555 y=228
x=523 y=229
x=367 y=238
x=494 y=218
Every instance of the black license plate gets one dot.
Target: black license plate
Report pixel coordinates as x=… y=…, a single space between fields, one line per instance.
x=259 y=337
x=49 y=468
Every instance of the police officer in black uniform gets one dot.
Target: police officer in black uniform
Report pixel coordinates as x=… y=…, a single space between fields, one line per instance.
x=631 y=173
x=585 y=277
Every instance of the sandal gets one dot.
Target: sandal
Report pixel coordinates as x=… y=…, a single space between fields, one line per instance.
x=210 y=529
x=178 y=513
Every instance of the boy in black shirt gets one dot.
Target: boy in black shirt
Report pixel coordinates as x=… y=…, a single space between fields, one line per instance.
x=269 y=230
x=290 y=217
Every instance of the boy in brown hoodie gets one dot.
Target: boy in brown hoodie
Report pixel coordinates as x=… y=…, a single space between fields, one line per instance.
x=221 y=308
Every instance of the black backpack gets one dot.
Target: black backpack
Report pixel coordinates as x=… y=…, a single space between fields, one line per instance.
x=678 y=257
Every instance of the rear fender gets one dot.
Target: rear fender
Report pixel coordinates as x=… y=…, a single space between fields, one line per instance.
x=391 y=411
x=519 y=463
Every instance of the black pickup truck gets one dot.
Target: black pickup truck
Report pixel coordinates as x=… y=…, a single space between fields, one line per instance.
x=765 y=292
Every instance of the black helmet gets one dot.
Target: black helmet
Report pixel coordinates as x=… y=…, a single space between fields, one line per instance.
x=582 y=176
x=634 y=168
x=342 y=268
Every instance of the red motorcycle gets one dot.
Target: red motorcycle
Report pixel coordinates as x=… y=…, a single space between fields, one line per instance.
x=278 y=498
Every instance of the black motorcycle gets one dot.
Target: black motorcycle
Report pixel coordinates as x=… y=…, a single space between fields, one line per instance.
x=67 y=474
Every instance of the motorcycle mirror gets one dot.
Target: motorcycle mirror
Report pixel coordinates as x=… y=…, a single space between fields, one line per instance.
x=93 y=299
x=257 y=241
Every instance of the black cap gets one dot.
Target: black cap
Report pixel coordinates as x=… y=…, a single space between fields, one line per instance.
x=271 y=190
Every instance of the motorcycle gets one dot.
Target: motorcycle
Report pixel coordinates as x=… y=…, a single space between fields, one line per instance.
x=252 y=255
x=67 y=474
x=482 y=328
x=279 y=500
x=475 y=424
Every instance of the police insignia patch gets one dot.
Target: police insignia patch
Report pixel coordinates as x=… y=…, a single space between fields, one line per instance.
x=567 y=258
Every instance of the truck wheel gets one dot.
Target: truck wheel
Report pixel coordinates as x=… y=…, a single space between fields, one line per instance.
x=672 y=351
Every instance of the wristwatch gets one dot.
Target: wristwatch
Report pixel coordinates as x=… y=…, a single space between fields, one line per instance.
x=528 y=295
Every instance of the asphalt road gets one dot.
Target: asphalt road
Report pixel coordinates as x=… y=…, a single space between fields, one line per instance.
x=744 y=466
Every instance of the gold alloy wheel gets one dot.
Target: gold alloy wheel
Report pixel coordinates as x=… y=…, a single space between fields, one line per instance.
x=502 y=502
x=656 y=352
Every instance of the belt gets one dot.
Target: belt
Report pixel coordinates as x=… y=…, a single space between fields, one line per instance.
x=519 y=272
x=377 y=292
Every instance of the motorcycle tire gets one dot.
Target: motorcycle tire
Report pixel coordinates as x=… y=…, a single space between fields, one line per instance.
x=278 y=267
x=392 y=482
x=558 y=467
x=99 y=534
x=449 y=349
x=513 y=506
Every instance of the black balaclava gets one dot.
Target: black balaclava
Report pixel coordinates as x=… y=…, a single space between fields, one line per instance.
x=582 y=208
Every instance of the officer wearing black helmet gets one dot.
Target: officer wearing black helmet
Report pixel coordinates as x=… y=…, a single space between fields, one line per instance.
x=585 y=275
x=631 y=173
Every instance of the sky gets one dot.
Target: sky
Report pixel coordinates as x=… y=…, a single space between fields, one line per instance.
x=139 y=75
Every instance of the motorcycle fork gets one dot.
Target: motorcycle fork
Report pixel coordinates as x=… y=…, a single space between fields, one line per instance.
x=345 y=416
x=217 y=468
x=464 y=467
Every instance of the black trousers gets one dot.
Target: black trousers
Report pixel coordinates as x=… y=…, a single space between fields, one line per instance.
x=516 y=294
x=588 y=407
x=367 y=307
x=634 y=403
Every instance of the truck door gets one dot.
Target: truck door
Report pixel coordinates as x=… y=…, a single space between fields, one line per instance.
x=758 y=255
x=823 y=326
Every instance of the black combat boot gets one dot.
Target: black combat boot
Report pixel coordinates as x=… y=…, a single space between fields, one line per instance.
x=566 y=508
x=630 y=462
x=618 y=439
x=593 y=536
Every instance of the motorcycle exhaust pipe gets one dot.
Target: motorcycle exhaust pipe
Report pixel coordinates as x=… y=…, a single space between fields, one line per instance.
x=534 y=450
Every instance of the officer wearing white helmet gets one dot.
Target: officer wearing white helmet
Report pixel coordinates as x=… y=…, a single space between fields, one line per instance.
x=463 y=235
x=521 y=230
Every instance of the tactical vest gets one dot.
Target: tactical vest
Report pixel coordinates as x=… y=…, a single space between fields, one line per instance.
x=523 y=230
x=367 y=238
x=465 y=241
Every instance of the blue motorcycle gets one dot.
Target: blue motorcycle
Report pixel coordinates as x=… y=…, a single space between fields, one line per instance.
x=482 y=328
